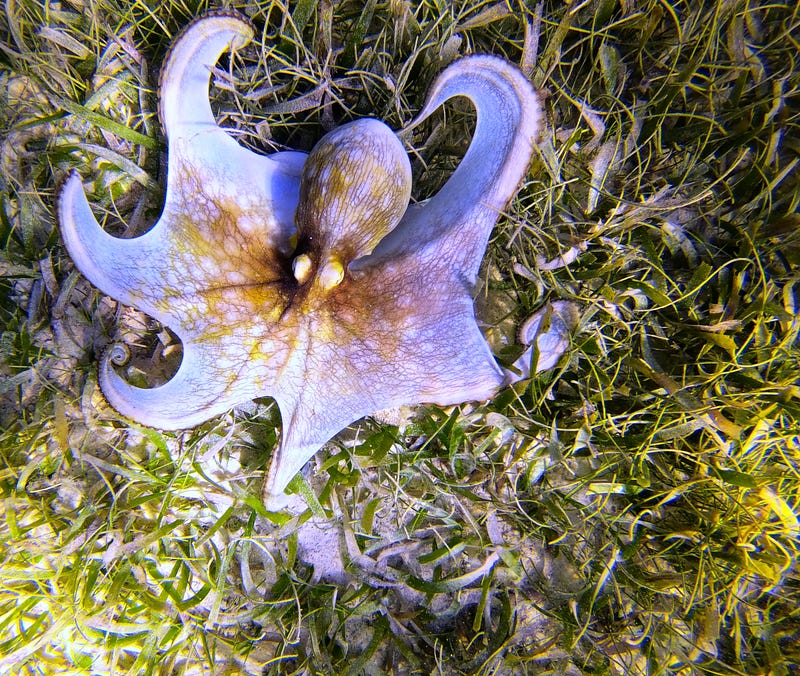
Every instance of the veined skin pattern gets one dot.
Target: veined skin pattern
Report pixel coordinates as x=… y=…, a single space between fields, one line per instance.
x=310 y=278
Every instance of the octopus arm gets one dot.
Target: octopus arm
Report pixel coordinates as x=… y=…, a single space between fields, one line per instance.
x=431 y=352
x=455 y=224
x=184 y=103
x=188 y=399
x=115 y=266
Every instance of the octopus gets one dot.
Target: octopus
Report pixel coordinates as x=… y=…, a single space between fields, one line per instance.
x=310 y=278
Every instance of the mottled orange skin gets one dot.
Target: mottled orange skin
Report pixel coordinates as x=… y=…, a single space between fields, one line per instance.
x=354 y=189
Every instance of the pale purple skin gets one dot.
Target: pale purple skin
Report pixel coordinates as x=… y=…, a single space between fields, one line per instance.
x=352 y=303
